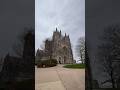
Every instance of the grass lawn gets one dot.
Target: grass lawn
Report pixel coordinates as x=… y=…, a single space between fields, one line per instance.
x=75 y=66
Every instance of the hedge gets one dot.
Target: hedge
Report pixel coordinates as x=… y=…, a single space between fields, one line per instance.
x=47 y=63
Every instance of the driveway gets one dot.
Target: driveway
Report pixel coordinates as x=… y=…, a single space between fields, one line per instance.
x=59 y=78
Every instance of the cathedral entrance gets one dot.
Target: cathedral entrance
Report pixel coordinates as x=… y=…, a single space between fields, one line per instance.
x=59 y=61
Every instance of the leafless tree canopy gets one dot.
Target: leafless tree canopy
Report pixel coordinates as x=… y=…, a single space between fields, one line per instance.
x=81 y=49
x=109 y=53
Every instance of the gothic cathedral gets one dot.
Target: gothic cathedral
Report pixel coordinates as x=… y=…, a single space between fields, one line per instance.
x=58 y=48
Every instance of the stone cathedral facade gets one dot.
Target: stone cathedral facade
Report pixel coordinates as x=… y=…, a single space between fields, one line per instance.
x=58 y=48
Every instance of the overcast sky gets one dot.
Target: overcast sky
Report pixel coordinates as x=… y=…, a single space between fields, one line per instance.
x=14 y=17
x=67 y=15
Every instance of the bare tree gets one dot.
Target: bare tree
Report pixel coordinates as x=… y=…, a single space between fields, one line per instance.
x=109 y=53
x=42 y=46
x=88 y=70
x=81 y=49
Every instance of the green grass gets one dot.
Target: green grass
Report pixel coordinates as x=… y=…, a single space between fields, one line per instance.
x=75 y=66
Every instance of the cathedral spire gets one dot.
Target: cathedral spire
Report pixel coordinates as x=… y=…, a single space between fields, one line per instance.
x=65 y=34
x=56 y=28
x=60 y=31
x=68 y=36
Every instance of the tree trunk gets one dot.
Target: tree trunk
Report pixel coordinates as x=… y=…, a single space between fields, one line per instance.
x=112 y=80
x=81 y=57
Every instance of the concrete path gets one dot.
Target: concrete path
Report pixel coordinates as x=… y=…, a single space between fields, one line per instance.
x=59 y=78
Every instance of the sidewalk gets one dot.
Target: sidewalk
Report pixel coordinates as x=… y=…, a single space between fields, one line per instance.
x=59 y=78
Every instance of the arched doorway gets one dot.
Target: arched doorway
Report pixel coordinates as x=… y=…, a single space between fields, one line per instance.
x=59 y=60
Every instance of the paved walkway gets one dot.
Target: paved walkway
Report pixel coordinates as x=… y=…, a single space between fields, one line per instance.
x=59 y=78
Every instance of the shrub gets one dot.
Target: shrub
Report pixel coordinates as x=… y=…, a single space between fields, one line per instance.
x=47 y=63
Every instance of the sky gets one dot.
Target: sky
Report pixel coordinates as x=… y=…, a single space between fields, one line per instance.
x=67 y=15
x=14 y=17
